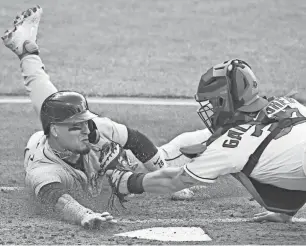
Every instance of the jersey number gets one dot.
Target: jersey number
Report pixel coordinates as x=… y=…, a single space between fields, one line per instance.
x=235 y=134
x=288 y=113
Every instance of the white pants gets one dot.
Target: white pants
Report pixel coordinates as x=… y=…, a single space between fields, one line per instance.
x=36 y=81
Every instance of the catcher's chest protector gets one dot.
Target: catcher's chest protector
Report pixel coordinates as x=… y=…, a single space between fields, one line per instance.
x=271 y=197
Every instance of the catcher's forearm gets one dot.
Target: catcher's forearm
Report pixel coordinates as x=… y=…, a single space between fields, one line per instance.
x=163 y=181
x=70 y=210
x=166 y=180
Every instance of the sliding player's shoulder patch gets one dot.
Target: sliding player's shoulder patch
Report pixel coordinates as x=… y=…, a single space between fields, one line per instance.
x=192 y=151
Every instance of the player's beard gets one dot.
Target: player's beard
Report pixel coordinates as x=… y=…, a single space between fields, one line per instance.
x=84 y=151
x=67 y=153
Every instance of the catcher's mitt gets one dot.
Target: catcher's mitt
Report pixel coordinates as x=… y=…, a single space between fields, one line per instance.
x=117 y=178
x=114 y=157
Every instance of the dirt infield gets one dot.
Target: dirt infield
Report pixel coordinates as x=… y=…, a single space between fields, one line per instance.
x=225 y=219
x=222 y=210
x=154 y=49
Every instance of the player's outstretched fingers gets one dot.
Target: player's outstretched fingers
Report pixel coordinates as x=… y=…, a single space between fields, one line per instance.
x=104 y=214
x=107 y=216
x=113 y=221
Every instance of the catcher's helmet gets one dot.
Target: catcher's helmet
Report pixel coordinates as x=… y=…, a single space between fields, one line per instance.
x=64 y=107
x=225 y=89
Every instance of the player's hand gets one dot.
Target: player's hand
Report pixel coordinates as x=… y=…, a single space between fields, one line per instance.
x=272 y=217
x=92 y=220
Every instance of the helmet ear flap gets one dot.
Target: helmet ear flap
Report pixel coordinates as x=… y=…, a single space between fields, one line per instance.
x=94 y=135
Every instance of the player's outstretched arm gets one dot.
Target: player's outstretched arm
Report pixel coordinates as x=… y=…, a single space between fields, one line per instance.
x=55 y=195
x=166 y=180
x=74 y=212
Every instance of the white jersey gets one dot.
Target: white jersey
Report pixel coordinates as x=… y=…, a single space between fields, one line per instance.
x=43 y=167
x=282 y=163
x=171 y=150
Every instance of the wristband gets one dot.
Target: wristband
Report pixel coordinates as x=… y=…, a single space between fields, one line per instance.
x=134 y=183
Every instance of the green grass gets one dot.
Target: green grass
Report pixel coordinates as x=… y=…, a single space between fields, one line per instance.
x=160 y=48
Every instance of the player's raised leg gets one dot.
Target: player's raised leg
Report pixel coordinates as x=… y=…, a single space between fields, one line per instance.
x=21 y=39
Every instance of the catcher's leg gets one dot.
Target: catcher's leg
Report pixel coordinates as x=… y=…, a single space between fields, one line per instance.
x=21 y=39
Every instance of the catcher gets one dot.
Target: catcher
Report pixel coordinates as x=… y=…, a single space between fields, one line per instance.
x=259 y=141
x=76 y=145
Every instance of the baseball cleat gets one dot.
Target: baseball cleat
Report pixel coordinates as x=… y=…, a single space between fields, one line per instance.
x=182 y=195
x=25 y=29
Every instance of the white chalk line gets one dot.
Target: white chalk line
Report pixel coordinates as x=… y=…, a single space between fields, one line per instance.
x=197 y=221
x=11 y=188
x=115 y=100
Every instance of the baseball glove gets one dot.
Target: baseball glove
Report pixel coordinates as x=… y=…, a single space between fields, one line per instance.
x=117 y=178
x=114 y=157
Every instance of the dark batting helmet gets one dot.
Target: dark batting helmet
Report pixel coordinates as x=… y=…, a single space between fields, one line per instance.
x=64 y=107
x=226 y=89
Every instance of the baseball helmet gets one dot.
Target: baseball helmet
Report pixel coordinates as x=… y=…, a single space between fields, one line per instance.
x=226 y=89
x=64 y=107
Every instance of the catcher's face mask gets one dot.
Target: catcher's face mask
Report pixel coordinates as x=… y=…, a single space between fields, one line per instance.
x=222 y=91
